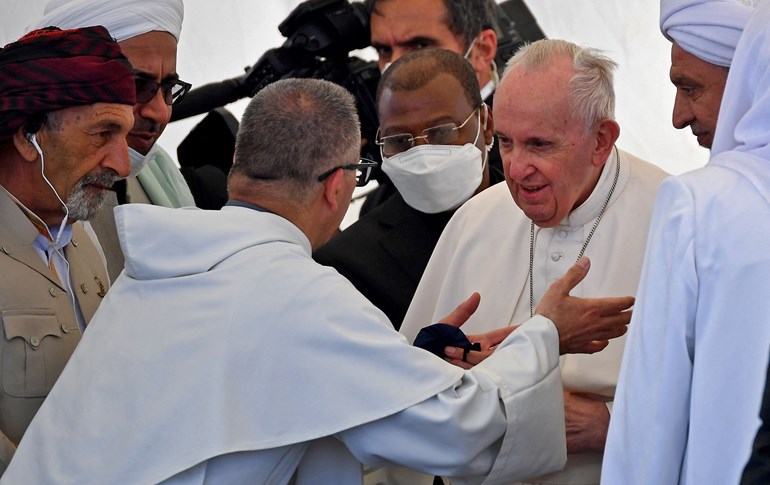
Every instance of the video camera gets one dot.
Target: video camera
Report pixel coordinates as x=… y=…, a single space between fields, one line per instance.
x=319 y=37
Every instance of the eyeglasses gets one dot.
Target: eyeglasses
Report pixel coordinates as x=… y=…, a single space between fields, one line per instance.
x=173 y=90
x=445 y=134
x=364 y=168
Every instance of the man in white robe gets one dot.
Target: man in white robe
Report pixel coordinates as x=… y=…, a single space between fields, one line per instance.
x=693 y=374
x=225 y=354
x=703 y=34
x=148 y=33
x=561 y=170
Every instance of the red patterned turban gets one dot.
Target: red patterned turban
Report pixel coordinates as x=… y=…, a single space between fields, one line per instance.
x=50 y=69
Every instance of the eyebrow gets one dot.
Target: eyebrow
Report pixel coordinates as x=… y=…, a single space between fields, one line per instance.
x=151 y=77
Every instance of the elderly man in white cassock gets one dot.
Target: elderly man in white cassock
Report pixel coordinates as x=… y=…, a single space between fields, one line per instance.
x=569 y=191
x=225 y=354
x=148 y=32
x=691 y=384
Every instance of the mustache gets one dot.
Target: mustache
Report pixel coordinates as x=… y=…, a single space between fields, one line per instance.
x=105 y=178
x=146 y=125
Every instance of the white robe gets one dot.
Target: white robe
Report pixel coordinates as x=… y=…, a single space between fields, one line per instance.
x=485 y=248
x=687 y=405
x=225 y=354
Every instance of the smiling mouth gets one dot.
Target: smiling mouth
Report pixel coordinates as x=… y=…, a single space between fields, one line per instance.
x=531 y=188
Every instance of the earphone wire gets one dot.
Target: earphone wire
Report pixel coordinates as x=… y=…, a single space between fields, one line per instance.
x=33 y=139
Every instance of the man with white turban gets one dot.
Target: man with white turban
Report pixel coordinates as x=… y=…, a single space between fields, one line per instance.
x=694 y=369
x=148 y=33
x=704 y=35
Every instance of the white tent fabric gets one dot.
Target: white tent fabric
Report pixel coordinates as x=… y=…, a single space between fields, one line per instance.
x=222 y=38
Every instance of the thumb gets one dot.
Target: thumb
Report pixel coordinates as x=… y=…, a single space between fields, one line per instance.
x=573 y=276
x=463 y=311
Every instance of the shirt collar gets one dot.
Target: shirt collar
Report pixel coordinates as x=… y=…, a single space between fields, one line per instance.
x=589 y=210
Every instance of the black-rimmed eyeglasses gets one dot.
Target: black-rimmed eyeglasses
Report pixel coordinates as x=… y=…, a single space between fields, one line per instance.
x=173 y=90
x=364 y=169
x=444 y=134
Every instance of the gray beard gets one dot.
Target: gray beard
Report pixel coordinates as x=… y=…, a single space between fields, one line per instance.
x=83 y=203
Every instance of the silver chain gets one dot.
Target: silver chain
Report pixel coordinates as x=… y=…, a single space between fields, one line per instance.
x=585 y=243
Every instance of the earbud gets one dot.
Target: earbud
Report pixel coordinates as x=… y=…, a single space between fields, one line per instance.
x=31 y=137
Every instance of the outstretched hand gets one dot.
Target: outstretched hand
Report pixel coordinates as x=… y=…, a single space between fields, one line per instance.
x=585 y=325
x=488 y=340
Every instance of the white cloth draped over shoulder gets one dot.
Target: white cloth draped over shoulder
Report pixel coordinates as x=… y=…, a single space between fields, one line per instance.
x=691 y=384
x=485 y=248
x=707 y=29
x=124 y=19
x=225 y=354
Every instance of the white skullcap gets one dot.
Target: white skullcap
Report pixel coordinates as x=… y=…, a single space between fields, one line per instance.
x=707 y=29
x=124 y=19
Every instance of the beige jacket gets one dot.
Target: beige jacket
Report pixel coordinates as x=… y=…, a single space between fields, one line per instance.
x=40 y=330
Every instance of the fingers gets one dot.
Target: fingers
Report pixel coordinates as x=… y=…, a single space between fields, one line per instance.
x=493 y=337
x=463 y=311
x=459 y=357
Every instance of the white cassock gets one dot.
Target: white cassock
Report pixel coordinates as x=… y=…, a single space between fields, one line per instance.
x=225 y=354
x=691 y=384
x=485 y=248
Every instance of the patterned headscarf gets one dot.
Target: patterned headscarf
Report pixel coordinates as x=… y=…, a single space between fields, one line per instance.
x=51 y=69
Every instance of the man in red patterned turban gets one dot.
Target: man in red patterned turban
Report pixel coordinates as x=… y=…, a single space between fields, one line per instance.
x=66 y=99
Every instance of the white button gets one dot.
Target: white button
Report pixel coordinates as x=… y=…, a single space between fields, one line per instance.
x=556 y=256
x=34 y=341
x=52 y=291
x=563 y=234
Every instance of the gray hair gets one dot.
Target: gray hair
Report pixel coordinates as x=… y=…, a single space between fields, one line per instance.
x=593 y=95
x=467 y=18
x=295 y=129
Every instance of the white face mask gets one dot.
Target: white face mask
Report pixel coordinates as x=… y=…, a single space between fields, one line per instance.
x=139 y=161
x=436 y=178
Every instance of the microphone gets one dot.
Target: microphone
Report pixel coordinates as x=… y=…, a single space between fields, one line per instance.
x=208 y=97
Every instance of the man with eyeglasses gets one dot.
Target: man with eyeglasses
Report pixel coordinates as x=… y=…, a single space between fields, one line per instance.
x=148 y=33
x=569 y=192
x=225 y=354
x=434 y=137
x=466 y=27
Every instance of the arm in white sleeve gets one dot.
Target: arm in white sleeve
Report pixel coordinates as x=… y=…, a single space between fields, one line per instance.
x=504 y=419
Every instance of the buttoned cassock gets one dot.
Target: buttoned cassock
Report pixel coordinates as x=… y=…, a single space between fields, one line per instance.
x=40 y=329
x=486 y=246
x=225 y=354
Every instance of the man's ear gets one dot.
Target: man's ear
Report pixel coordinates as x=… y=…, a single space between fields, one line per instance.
x=484 y=51
x=489 y=129
x=23 y=144
x=331 y=188
x=607 y=133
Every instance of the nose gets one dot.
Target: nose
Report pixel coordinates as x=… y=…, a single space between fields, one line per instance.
x=117 y=158
x=155 y=109
x=399 y=52
x=682 y=116
x=516 y=166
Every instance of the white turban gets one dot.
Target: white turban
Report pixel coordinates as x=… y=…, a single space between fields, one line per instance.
x=707 y=29
x=124 y=19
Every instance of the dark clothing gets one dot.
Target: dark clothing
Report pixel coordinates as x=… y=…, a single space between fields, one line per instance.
x=385 y=253
x=757 y=470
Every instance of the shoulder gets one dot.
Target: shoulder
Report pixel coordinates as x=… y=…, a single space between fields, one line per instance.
x=642 y=170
